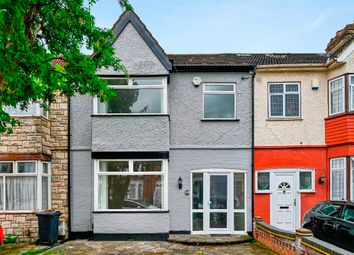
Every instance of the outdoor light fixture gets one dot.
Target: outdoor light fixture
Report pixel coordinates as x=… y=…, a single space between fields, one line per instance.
x=180 y=181
x=322 y=179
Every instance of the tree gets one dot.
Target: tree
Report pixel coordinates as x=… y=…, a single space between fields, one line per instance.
x=36 y=32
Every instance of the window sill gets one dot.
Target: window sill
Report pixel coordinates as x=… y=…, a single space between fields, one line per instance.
x=131 y=211
x=220 y=120
x=284 y=119
x=129 y=115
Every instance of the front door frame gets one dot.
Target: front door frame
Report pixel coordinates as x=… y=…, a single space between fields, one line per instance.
x=273 y=187
x=206 y=188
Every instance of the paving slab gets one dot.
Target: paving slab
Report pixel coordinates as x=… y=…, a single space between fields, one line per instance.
x=209 y=239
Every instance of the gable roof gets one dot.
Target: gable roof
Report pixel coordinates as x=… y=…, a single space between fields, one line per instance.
x=340 y=41
x=243 y=59
x=130 y=16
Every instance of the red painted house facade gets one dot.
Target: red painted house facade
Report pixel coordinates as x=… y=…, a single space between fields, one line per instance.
x=304 y=132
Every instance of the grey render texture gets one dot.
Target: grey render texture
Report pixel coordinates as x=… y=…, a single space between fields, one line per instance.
x=191 y=142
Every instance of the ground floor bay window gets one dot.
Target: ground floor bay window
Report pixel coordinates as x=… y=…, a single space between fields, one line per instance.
x=130 y=185
x=24 y=186
x=342 y=178
x=218 y=202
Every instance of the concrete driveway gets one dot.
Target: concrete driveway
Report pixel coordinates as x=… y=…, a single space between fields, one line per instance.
x=153 y=248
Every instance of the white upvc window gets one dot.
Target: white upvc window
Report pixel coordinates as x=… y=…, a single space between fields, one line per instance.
x=219 y=101
x=352 y=179
x=351 y=91
x=284 y=100
x=34 y=109
x=338 y=179
x=135 y=96
x=24 y=186
x=130 y=185
x=336 y=96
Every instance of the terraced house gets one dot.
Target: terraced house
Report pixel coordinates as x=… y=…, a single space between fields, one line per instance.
x=34 y=169
x=303 y=132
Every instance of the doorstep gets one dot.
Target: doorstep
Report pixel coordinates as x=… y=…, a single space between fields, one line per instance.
x=209 y=239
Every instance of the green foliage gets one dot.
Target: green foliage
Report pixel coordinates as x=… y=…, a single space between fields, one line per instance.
x=10 y=239
x=125 y=5
x=34 y=252
x=34 y=33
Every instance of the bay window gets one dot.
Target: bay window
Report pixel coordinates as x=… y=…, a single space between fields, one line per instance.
x=219 y=101
x=351 y=92
x=131 y=184
x=336 y=96
x=33 y=109
x=24 y=186
x=338 y=179
x=135 y=96
x=284 y=100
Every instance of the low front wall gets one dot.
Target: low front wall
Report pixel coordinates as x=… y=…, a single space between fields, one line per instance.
x=22 y=225
x=284 y=242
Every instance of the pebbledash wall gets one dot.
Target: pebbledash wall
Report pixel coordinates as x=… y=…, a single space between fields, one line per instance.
x=39 y=138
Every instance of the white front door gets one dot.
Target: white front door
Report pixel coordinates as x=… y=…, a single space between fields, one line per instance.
x=283 y=208
x=218 y=202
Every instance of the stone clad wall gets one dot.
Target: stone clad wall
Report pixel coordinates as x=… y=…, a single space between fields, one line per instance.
x=38 y=138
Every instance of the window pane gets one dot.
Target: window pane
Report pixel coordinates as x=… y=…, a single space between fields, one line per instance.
x=26 y=167
x=336 y=84
x=292 y=87
x=147 y=166
x=197 y=191
x=337 y=163
x=337 y=180
x=352 y=96
x=6 y=167
x=116 y=81
x=276 y=88
x=114 y=166
x=263 y=181
x=1 y=193
x=16 y=111
x=45 y=190
x=21 y=193
x=337 y=101
x=239 y=191
x=147 y=81
x=45 y=168
x=305 y=180
x=133 y=101
x=115 y=192
x=292 y=105
x=219 y=87
x=348 y=214
x=219 y=106
x=276 y=105
x=197 y=221
x=239 y=221
x=218 y=220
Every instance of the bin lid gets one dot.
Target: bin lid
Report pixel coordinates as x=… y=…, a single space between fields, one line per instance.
x=57 y=213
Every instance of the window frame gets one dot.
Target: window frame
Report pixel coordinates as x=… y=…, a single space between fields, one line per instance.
x=284 y=103
x=342 y=77
x=40 y=112
x=297 y=172
x=164 y=104
x=38 y=174
x=233 y=92
x=344 y=181
x=350 y=86
x=163 y=173
x=351 y=172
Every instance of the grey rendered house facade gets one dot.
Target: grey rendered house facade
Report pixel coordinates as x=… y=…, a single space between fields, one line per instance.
x=171 y=153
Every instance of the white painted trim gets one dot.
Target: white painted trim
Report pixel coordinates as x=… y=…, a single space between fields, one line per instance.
x=233 y=92
x=346 y=53
x=283 y=95
x=345 y=176
x=351 y=85
x=163 y=86
x=351 y=178
x=164 y=181
x=256 y=183
x=330 y=91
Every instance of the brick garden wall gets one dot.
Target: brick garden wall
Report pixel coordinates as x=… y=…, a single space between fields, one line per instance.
x=38 y=138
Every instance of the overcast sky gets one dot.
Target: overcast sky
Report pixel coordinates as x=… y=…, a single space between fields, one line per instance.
x=246 y=26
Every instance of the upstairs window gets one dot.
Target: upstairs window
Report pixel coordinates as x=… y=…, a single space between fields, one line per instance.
x=351 y=89
x=284 y=100
x=336 y=95
x=135 y=96
x=219 y=101
x=34 y=109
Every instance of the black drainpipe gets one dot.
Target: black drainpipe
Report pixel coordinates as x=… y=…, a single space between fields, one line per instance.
x=252 y=146
x=69 y=172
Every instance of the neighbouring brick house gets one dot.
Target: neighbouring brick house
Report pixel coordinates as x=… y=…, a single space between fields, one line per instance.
x=34 y=169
